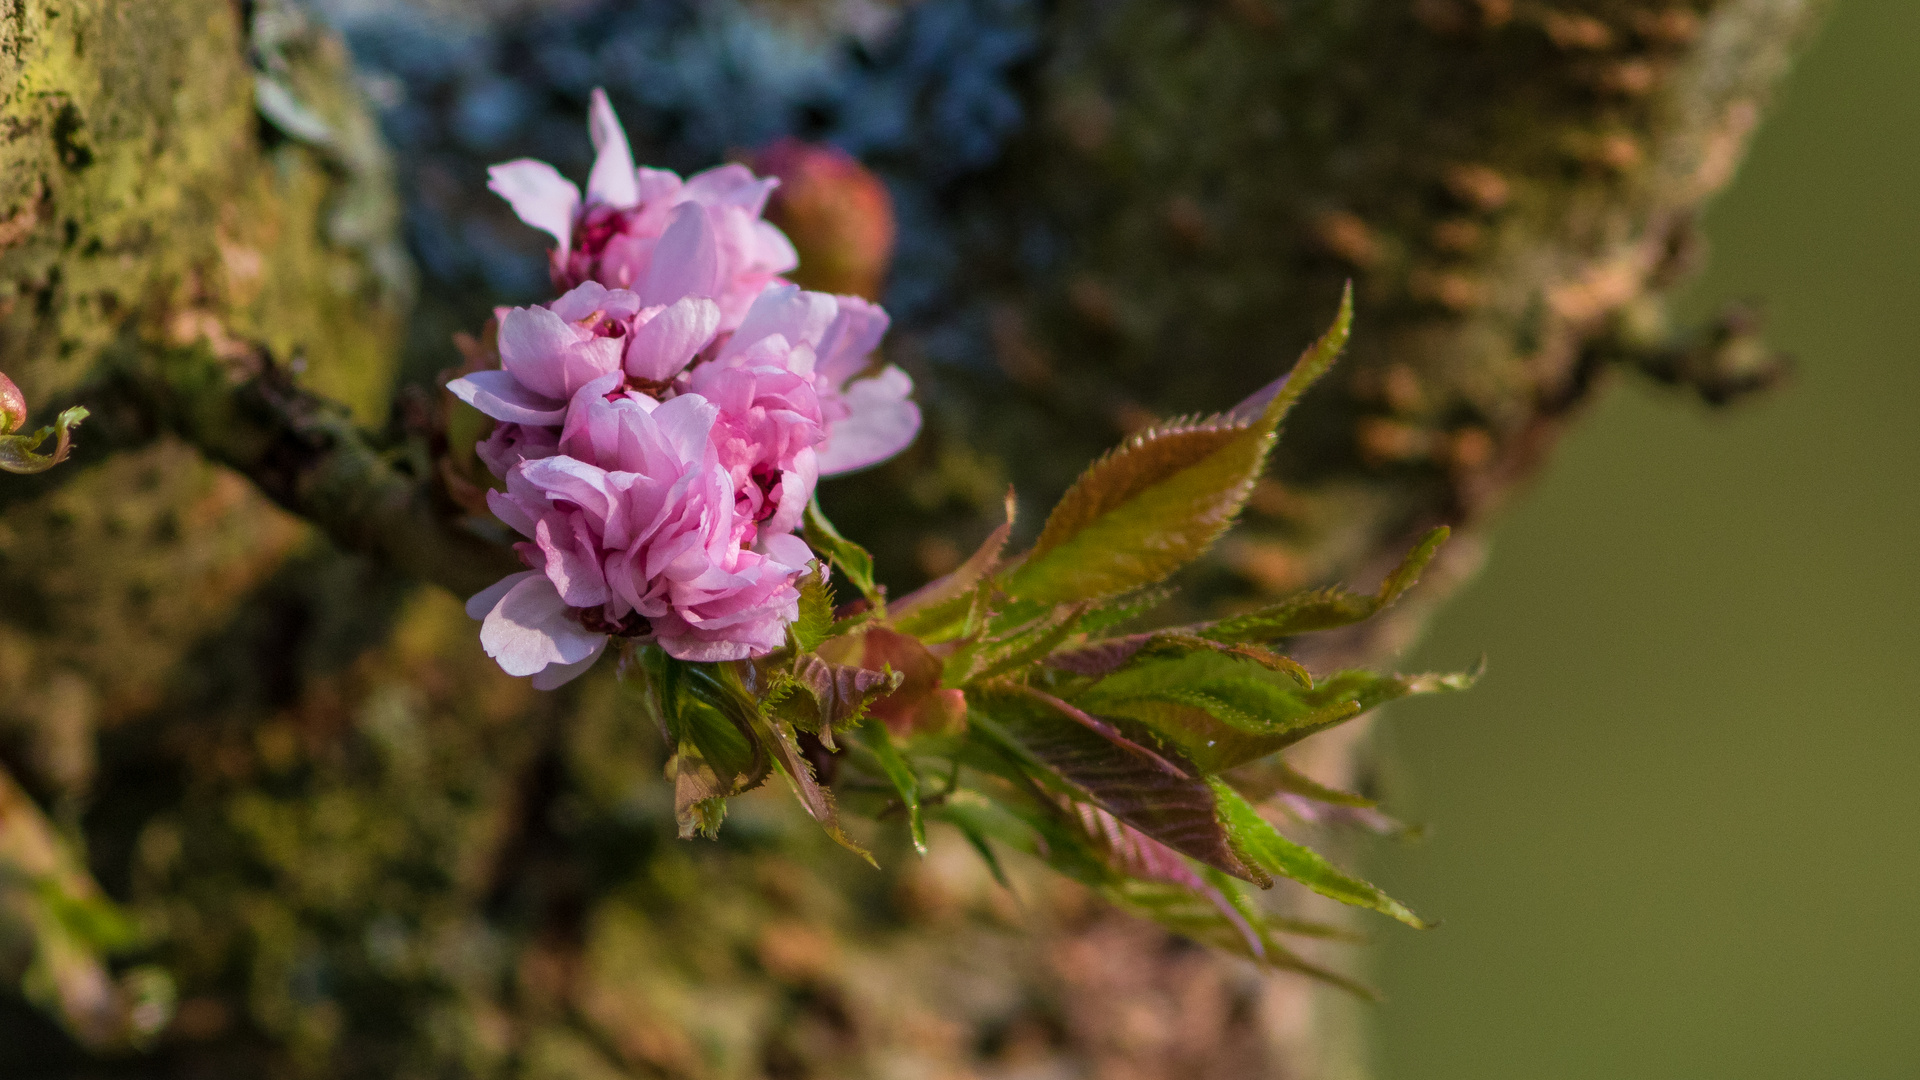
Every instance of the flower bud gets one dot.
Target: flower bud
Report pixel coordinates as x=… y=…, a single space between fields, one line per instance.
x=13 y=406
x=837 y=213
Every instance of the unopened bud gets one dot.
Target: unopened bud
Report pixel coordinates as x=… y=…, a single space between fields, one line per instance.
x=837 y=213
x=13 y=406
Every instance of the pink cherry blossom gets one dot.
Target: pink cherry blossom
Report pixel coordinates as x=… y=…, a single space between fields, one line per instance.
x=646 y=229
x=651 y=543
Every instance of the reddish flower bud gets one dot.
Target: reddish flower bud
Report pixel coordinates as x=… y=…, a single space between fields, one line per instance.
x=837 y=213
x=13 y=406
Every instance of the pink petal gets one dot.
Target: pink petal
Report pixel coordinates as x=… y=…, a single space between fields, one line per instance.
x=534 y=343
x=788 y=310
x=539 y=194
x=686 y=422
x=503 y=397
x=686 y=261
x=855 y=333
x=732 y=185
x=665 y=344
x=530 y=629
x=613 y=180
x=882 y=421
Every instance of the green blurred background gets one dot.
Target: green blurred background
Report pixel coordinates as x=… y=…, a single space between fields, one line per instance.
x=1676 y=829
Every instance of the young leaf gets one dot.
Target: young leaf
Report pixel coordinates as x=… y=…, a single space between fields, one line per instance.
x=1161 y=499
x=900 y=773
x=1094 y=761
x=848 y=557
x=821 y=697
x=17 y=451
x=1261 y=844
x=814 y=798
x=1327 y=609
x=815 y=623
x=916 y=703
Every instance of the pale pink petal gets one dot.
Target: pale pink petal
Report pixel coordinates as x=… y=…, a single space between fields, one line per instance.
x=773 y=253
x=732 y=185
x=788 y=550
x=788 y=310
x=686 y=422
x=613 y=180
x=882 y=421
x=856 y=331
x=795 y=491
x=503 y=397
x=573 y=561
x=539 y=194
x=591 y=297
x=666 y=343
x=556 y=675
x=530 y=628
x=686 y=261
x=534 y=343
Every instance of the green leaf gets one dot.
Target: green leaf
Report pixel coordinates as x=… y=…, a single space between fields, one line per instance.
x=814 y=798
x=815 y=623
x=1327 y=609
x=822 y=697
x=849 y=558
x=1260 y=843
x=900 y=773
x=1161 y=499
x=1222 y=711
x=1094 y=760
x=17 y=451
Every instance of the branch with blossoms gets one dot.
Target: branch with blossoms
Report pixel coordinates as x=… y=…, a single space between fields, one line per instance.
x=659 y=430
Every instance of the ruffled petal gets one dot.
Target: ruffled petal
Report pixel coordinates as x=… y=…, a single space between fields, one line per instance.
x=530 y=628
x=856 y=331
x=540 y=195
x=882 y=421
x=800 y=316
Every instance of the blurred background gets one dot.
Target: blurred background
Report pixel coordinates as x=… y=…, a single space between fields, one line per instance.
x=1674 y=830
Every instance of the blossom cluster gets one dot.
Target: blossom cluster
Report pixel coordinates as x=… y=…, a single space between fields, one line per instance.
x=662 y=424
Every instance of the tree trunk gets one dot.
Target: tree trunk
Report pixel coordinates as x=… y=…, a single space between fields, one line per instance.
x=352 y=847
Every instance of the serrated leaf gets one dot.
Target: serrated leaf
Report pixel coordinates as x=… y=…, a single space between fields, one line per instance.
x=1222 y=711
x=1161 y=499
x=1327 y=609
x=849 y=558
x=901 y=775
x=1095 y=761
x=1107 y=657
x=822 y=697
x=717 y=751
x=814 y=798
x=1260 y=843
x=815 y=623
x=917 y=703
x=978 y=661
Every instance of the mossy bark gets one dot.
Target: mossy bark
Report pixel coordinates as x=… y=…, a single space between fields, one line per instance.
x=357 y=849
